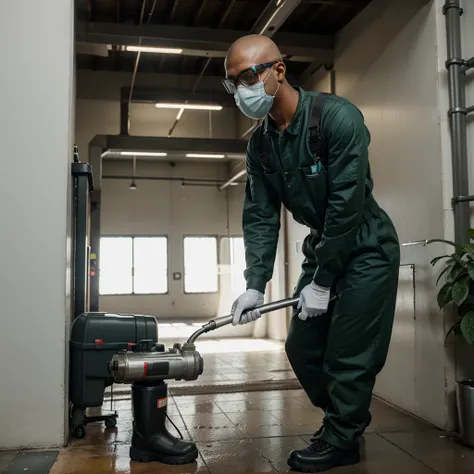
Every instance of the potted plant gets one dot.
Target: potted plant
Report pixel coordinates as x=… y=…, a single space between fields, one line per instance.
x=458 y=289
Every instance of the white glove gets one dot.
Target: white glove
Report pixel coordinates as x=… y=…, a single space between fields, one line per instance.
x=246 y=301
x=314 y=301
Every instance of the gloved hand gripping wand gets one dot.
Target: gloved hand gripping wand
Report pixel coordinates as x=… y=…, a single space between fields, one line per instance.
x=225 y=320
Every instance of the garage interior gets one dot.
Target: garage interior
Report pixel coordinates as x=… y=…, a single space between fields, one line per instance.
x=133 y=89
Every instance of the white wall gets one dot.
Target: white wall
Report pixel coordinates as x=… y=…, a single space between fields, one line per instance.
x=168 y=208
x=35 y=209
x=159 y=207
x=387 y=64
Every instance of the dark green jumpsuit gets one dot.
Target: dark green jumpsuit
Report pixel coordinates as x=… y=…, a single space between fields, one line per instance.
x=352 y=247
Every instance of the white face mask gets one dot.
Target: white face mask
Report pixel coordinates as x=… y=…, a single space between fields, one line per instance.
x=253 y=101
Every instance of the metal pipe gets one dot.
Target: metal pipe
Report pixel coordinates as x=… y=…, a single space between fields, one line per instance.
x=470 y=110
x=413 y=243
x=137 y=60
x=463 y=199
x=457 y=115
x=165 y=178
x=332 y=76
x=233 y=179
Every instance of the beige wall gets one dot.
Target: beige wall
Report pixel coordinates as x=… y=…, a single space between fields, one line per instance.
x=168 y=208
x=387 y=63
x=160 y=207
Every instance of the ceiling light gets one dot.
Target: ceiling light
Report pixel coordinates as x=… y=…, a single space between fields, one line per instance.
x=180 y=113
x=142 y=153
x=153 y=49
x=132 y=186
x=203 y=155
x=162 y=105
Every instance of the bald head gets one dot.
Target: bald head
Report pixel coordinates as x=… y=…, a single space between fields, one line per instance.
x=244 y=54
x=249 y=51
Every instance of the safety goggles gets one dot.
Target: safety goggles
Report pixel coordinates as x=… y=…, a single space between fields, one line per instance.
x=247 y=77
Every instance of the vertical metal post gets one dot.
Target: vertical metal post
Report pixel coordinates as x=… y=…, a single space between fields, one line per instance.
x=457 y=115
x=332 y=73
x=95 y=248
x=124 y=112
x=82 y=179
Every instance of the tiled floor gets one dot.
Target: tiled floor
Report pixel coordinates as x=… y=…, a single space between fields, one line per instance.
x=253 y=431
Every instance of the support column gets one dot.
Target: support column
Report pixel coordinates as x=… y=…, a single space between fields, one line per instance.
x=38 y=97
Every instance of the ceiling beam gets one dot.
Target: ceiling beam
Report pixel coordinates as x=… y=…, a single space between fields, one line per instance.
x=176 y=145
x=197 y=41
x=273 y=17
x=152 y=95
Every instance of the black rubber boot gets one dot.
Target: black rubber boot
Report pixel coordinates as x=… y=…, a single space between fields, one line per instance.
x=151 y=440
x=320 y=456
x=318 y=434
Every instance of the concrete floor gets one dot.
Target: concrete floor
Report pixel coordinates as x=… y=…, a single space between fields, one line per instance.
x=253 y=431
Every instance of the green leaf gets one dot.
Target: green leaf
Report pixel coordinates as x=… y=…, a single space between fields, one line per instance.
x=460 y=291
x=445 y=295
x=465 y=308
x=468 y=249
x=467 y=327
x=442 y=273
x=471 y=234
x=437 y=259
x=462 y=274
x=454 y=327
x=456 y=272
x=470 y=269
x=459 y=260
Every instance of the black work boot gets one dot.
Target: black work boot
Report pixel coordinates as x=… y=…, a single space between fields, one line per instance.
x=317 y=435
x=320 y=456
x=151 y=440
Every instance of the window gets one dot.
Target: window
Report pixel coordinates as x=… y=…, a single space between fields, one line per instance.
x=200 y=265
x=133 y=265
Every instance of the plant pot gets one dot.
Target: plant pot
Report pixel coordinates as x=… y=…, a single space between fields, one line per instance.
x=465 y=401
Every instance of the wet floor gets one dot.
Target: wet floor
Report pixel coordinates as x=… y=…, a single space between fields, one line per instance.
x=253 y=431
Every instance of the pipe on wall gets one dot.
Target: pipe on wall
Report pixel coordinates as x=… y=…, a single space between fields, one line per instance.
x=456 y=67
x=183 y=180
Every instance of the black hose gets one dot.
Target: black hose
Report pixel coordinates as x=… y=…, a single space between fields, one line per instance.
x=175 y=427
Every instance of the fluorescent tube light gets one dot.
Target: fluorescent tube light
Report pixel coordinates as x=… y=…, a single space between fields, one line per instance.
x=143 y=153
x=153 y=49
x=203 y=155
x=162 y=105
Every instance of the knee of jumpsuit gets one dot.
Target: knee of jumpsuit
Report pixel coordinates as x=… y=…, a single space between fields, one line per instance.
x=305 y=347
x=360 y=330
x=306 y=340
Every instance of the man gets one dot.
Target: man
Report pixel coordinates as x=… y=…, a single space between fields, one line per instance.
x=336 y=346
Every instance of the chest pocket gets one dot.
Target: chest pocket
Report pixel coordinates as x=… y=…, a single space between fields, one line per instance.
x=311 y=177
